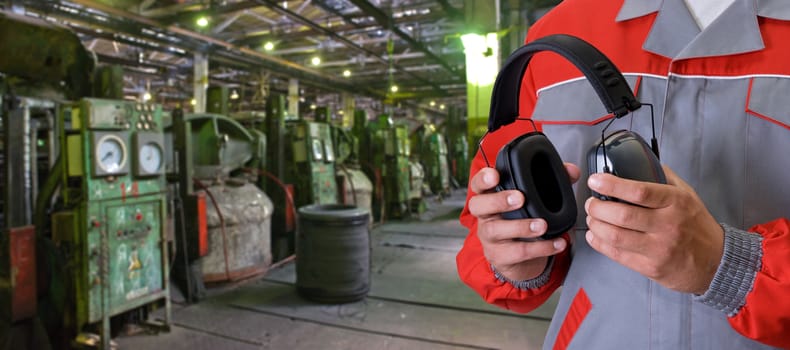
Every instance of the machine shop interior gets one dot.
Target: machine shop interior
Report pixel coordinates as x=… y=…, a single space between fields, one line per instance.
x=247 y=174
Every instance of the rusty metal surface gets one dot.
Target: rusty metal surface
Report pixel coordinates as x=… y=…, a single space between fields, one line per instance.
x=22 y=251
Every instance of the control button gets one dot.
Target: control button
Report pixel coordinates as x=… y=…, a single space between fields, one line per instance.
x=138 y=216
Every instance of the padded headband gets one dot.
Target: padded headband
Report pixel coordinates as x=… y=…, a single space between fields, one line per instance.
x=605 y=78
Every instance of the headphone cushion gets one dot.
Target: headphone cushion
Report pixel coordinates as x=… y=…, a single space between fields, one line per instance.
x=531 y=164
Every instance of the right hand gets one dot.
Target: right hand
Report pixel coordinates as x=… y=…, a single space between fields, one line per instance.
x=514 y=259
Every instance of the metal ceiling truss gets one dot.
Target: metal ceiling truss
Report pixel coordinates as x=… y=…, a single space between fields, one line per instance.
x=352 y=33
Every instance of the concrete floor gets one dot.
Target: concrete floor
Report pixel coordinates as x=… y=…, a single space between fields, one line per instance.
x=416 y=301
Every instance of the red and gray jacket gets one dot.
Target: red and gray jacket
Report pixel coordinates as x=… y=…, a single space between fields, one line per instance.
x=722 y=108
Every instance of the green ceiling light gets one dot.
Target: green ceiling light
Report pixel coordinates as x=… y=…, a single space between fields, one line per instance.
x=202 y=21
x=315 y=60
x=394 y=88
x=268 y=46
x=346 y=73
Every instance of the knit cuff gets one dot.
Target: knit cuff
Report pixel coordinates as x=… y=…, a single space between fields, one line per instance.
x=533 y=283
x=737 y=270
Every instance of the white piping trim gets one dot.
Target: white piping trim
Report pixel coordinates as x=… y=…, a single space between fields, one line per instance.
x=712 y=77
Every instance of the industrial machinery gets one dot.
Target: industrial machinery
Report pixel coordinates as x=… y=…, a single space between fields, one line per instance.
x=384 y=151
x=312 y=158
x=458 y=147
x=223 y=219
x=353 y=185
x=430 y=150
x=89 y=175
x=111 y=227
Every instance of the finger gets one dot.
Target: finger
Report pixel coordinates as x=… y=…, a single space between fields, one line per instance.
x=485 y=179
x=646 y=194
x=508 y=230
x=618 y=237
x=573 y=172
x=620 y=214
x=488 y=204
x=514 y=252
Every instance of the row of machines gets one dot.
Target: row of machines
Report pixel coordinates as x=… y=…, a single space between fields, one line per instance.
x=106 y=201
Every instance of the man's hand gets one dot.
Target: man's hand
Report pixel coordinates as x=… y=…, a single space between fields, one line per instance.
x=516 y=260
x=671 y=239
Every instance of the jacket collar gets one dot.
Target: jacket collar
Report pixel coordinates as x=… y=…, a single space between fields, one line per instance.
x=675 y=34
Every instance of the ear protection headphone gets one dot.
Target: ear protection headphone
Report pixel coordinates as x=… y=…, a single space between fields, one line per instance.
x=530 y=163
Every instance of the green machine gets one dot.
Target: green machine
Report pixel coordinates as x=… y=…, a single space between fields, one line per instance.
x=112 y=225
x=355 y=188
x=384 y=151
x=431 y=151
x=313 y=162
x=458 y=147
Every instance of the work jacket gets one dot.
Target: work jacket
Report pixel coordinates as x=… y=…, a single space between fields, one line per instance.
x=721 y=100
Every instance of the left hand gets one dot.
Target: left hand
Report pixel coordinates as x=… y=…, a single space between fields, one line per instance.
x=671 y=239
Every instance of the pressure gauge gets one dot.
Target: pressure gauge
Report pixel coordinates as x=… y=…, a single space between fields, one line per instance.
x=110 y=154
x=150 y=157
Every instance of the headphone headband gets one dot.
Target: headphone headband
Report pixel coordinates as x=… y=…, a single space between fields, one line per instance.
x=606 y=79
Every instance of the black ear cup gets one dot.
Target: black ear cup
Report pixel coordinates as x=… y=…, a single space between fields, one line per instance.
x=531 y=164
x=627 y=155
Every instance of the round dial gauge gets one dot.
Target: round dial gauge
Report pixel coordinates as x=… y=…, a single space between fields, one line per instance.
x=111 y=153
x=150 y=158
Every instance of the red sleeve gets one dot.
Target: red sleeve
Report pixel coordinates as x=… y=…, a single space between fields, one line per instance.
x=766 y=315
x=473 y=268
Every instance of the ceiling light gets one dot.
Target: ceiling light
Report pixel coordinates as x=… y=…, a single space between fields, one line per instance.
x=146 y=96
x=234 y=95
x=315 y=60
x=193 y=102
x=441 y=106
x=394 y=88
x=313 y=106
x=433 y=103
x=202 y=21
x=346 y=73
x=268 y=46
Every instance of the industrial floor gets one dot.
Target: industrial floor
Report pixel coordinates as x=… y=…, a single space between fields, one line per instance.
x=416 y=301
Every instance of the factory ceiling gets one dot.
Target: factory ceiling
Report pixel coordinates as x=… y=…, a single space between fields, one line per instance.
x=256 y=46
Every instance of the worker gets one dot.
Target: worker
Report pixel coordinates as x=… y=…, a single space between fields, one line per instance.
x=702 y=262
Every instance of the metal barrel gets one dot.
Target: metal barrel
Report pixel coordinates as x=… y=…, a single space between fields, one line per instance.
x=333 y=253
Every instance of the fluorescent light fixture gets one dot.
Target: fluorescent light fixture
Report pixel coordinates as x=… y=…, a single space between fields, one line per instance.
x=202 y=21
